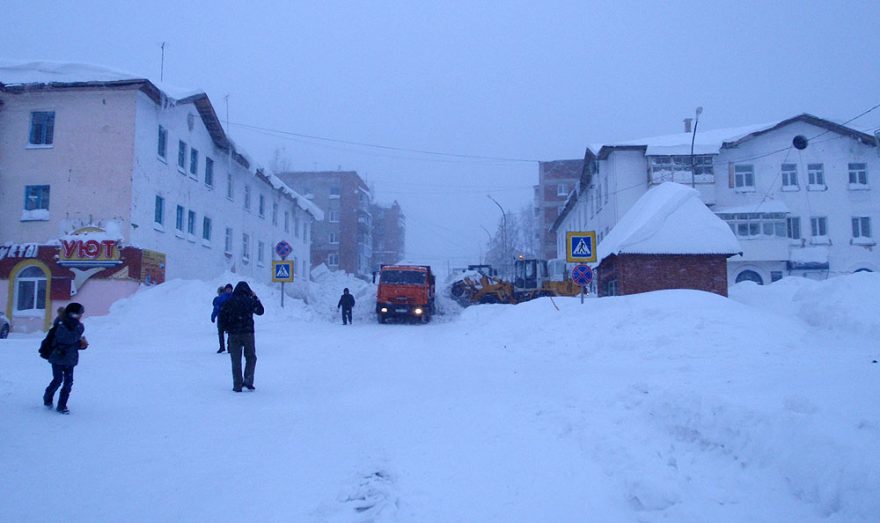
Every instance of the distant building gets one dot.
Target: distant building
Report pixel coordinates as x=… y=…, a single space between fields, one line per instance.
x=800 y=194
x=389 y=234
x=556 y=180
x=344 y=239
x=667 y=240
x=128 y=183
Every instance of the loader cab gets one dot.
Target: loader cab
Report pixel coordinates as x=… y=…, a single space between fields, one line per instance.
x=529 y=274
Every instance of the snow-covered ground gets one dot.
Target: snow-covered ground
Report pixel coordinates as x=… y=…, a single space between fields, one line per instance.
x=670 y=406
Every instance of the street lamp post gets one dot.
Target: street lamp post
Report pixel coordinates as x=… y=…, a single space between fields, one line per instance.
x=693 y=137
x=503 y=233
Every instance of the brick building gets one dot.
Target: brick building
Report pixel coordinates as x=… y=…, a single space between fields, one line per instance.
x=389 y=234
x=668 y=240
x=556 y=180
x=343 y=240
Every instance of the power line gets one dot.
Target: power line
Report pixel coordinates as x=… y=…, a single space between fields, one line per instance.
x=385 y=147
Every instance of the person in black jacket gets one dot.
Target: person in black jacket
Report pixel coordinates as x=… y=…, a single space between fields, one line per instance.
x=346 y=303
x=237 y=317
x=69 y=340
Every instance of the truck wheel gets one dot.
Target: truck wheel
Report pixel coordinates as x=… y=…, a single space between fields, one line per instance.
x=381 y=318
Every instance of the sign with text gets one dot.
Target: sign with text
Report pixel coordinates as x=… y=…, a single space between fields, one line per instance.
x=580 y=246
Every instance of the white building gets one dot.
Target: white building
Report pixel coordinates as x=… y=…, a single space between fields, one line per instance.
x=798 y=193
x=86 y=146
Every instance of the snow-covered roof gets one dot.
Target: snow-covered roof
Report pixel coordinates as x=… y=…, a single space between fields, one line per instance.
x=669 y=219
x=301 y=201
x=767 y=206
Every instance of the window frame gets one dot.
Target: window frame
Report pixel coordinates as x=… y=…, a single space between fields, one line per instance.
x=245 y=247
x=179 y=219
x=39 y=198
x=228 y=238
x=194 y=162
x=40 y=290
x=45 y=129
x=744 y=177
x=858 y=176
x=159 y=213
x=816 y=177
x=181 y=156
x=789 y=176
x=162 y=145
x=207 y=229
x=209 y=172
x=191 y=220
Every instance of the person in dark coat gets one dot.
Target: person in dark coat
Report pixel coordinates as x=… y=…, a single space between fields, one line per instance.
x=237 y=315
x=69 y=340
x=223 y=294
x=346 y=303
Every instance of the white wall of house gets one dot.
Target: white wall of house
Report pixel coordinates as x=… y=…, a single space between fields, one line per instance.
x=625 y=174
x=87 y=167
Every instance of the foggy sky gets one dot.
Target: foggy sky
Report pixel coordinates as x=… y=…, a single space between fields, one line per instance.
x=519 y=80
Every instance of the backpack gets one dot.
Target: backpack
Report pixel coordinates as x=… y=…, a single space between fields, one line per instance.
x=48 y=343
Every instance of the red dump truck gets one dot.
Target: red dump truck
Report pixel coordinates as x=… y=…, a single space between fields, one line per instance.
x=405 y=292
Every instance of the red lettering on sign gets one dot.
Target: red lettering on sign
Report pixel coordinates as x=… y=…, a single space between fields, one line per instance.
x=89 y=249
x=108 y=248
x=69 y=248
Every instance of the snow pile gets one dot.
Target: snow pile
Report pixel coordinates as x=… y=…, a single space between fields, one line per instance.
x=674 y=405
x=327 y=287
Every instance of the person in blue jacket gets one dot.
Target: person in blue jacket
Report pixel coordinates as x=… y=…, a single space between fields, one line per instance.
x=223 y=294
x=69 y=340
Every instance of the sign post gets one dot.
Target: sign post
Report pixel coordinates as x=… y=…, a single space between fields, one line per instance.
x=282 y=271
x=582 y=275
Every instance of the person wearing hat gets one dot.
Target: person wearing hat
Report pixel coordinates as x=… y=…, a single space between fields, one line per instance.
x=346 y=303
x=223 y=294
x=69 y=340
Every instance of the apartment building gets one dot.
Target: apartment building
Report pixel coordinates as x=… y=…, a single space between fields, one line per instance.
x=800 y=194
x=556 y=180
x=92 y=151
x=389 y=234
x=344 y=240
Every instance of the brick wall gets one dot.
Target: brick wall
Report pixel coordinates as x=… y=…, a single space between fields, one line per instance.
x=637 y=273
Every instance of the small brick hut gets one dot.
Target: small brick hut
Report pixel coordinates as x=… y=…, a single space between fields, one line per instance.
x=668 y=240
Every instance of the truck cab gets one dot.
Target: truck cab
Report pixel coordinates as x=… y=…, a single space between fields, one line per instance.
x=405 y=291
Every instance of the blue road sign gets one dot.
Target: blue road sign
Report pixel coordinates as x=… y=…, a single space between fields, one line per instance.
x=581 y=246
x=283 y=249
x=582 y=275
x=282 y=271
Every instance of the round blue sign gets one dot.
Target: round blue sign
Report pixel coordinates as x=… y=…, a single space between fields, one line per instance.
x=582 y=275
x=283 y=249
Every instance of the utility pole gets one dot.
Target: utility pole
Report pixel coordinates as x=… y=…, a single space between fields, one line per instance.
x=162 y=67
x=503 y=235
x=693 y=137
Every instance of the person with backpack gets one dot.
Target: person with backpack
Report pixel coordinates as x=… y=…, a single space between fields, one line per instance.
x=223 y=294
x=346 y=303
x=67 y=341
x=237 y=316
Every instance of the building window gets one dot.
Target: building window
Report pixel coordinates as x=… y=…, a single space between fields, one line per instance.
x=245 y=248
x=274 y=213
x=194 y=162
x=36 y=197
x=209 y=171
x=227 y=242
x=181 y=156
x=261 y=206
x=159 y=211
x=861 y=227
x=334 y=216
x=333 y=260
x=178 y=219
x=42 y=128
x=247 y=197
x=334 y=192
x=191 y=223
x=162 y=149
x=229 y=185
x=562 y=190
x=793 y=225
x=789 y=177
x=678 y=168
x=286 y=221
x=775 y=276
x=30 y=292
x=749 y=276
x=858 y=175
x=744 y=177
x=260 y=248
x=819 y=226
x=206 y=228
x=334 y=238
x=816 y=176
x=756 y=225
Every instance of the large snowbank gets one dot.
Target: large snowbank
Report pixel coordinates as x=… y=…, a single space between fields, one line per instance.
x=668 y=406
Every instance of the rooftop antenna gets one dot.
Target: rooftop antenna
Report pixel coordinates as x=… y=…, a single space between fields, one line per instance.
x=162 y=68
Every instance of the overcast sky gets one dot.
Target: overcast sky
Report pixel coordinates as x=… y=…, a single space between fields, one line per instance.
x=515 y=80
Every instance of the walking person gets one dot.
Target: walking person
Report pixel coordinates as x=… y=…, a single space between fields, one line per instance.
x=223 y=294
x=69 y=340
x=237 y=316
x=346 y=303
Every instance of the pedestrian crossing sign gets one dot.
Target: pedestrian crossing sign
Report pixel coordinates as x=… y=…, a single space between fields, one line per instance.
x=282 y=271
x=581 y=246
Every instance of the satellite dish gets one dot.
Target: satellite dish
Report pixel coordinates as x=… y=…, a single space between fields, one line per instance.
x=799 y=142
